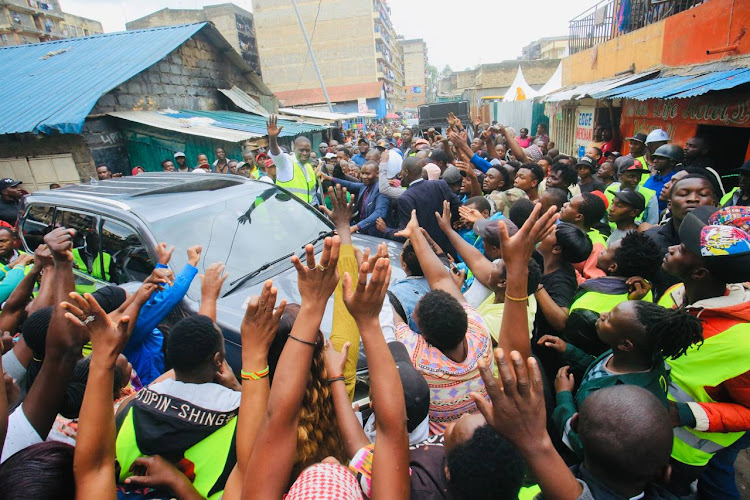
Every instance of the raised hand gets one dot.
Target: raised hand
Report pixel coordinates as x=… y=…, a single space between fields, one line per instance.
x=518 y=249
x=43 y=256
x=108 y=337
x=341 y=214
x=272 y=127
x=194 y=255
x=382 y=253
x=160 y=276
x=60 y=243
x=156 y=472
x=469 y=215
x=23 y=260
x=410 y=228
x=564 y=381
x=260 y=323
x=335 y=361
x=554 y=343
x=317 y=281
x=366 y=300
x=517 y=409
x=444 y=219
x=213 y=280
x=164 y=253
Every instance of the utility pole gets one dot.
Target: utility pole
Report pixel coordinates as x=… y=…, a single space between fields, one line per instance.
x=312 y=55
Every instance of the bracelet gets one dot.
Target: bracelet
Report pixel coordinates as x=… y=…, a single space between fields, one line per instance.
x=312 y=344
x=517 y=299
x=336 y=379
x=255 y=375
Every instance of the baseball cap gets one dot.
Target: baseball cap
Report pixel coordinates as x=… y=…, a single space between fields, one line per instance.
x=640 y=137
x=362 y=139
x=613 y=154
x=382 y=144
x=8 y=182
x=724 y=249
x=433 y=171
x=419 y=142
x=452 y=175
x=630 y=164
x=587 y=161
x=329 y=156
x=737 y=216
x=259 y=156
x=632 y=198
x=416 y=390
x=180 y=153
x=268 y=163
x=487 y=230
x=657 y=135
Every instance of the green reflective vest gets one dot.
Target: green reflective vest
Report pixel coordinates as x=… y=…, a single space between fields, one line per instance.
x=644 y=177
x=615 y=187
x=718 y=359
x=96 y=268
x=597 y=237
x=303 y=181
x=209 y=456
x=603 y=302
x=728 y=197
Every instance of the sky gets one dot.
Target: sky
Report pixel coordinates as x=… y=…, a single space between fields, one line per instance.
x=458 y=33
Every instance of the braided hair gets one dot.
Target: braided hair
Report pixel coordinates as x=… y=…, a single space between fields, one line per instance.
x=670 y=332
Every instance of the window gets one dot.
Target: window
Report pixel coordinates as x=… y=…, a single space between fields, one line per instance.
x=36 y=224
x=39 y=172
x=128 y=258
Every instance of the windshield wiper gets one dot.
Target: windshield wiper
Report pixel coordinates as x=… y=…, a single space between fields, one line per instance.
x=321 y=236
x=234 y=285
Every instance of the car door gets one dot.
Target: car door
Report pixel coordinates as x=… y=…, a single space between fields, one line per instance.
x=127 y=255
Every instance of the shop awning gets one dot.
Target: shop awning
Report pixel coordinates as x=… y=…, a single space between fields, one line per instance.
x=678 y=86
x=186 y=125
x=317 y=114
x=593 y=89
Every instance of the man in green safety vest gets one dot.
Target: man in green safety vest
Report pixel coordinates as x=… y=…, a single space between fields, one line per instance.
x=631 y=171
x=710 y=384
x=741 y=194
x=294 y=172
x=189 y=420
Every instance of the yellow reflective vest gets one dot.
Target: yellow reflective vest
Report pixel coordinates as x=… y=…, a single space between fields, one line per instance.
x=303 y=182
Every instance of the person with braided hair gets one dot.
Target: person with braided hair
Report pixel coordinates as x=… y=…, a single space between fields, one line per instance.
x=641 y=335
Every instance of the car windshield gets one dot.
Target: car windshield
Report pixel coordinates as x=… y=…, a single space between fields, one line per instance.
x=243 y=231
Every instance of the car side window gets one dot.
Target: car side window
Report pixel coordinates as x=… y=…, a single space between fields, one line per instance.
x=86 y=256
x=37 y=223
x=128 y=257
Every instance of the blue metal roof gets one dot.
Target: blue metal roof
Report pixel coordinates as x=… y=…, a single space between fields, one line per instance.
x=51 y=87
x=248 y=122
x=678 y=87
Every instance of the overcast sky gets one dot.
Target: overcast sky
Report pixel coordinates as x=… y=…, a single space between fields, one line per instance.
x=459 y=33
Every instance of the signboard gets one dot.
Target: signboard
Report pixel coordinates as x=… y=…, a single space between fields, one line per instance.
x=584 y=128
x=362 y=105
x=416 y=89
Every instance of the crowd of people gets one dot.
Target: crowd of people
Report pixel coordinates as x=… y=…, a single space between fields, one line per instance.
x=567 y=328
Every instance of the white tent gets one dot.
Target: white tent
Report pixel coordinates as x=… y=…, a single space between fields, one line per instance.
x=519 y=90
x=553 y=84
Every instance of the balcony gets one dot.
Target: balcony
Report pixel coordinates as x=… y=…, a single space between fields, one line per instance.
x=33 y=7
x=612 y=18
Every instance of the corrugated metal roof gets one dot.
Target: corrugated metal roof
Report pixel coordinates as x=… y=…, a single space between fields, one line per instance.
x=317 y=113
x=244 y=101
x=247 y=122
x=51 y=87
x=203 y=127
x=593 y=89
x=678 y=87
x=341 y=93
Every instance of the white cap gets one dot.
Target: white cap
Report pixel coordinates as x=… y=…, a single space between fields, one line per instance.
x=330 y=155
x=657 y=135
x=180 y=154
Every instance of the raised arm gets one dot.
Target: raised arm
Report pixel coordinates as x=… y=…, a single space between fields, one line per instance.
x=273 y=135
x=516 y=255
x=277 y=436
x=513 y=145
x=14 y=309
x=390 y=466
x=480 y=266
x=211 y=284
x=94 y=458
x=476 y=187
x=517 y=412
x=353 y=435
x=436 y=273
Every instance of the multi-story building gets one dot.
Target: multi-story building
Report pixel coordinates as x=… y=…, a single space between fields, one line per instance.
x=354 y=43
x=234 y=23
x=554 y=47
x=415 y=72
x=32 y=21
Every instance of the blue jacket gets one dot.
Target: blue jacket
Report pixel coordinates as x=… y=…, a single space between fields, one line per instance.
x=144 y=348
x=377 y=206
x=359 y=159
x=480 y=163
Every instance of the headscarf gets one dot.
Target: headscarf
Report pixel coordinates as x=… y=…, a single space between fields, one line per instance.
x=325 y=481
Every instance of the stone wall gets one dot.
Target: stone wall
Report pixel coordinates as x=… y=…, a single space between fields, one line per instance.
x=188 y=78
x=30 y=146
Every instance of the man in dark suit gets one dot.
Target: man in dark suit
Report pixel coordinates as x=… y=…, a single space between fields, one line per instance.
x=427 y=198
x=370 y=204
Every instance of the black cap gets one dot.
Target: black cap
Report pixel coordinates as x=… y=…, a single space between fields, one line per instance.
x=630 y=164
x=632 y=198
x=640 y=137
x=8 y=182
x=488 y=231
x=613 y=154
x=362 y=139
x=587 y=161
x=416 y=390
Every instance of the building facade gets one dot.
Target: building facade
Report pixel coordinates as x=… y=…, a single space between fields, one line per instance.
x=354 y=43
x=32 y=21
x=234 y=23
x=554 y=47
x=415 y=72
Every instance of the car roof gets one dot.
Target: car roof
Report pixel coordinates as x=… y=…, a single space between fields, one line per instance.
x=151 y=195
